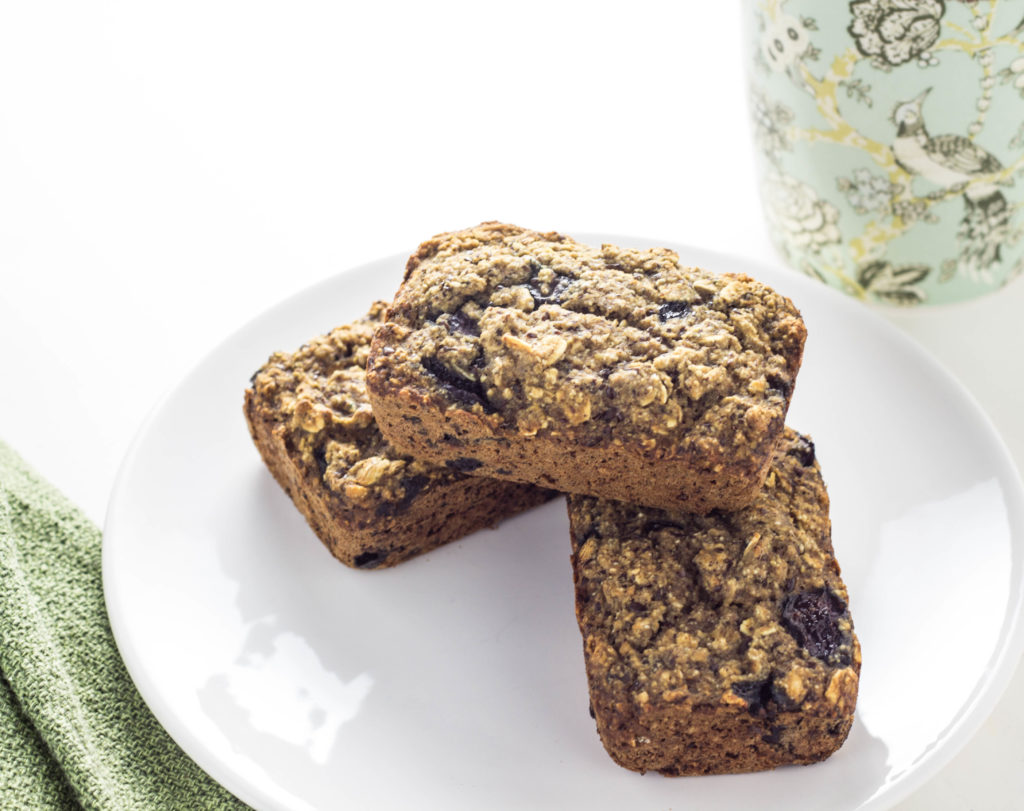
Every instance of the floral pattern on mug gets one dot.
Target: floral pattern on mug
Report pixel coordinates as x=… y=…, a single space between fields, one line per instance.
x=771 y=122
x=802 y=218
x=895 y=31
x=896 y=285
x=867 y=192
x=891 y=142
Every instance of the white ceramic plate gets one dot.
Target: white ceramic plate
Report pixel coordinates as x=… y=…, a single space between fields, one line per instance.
x=456 y=681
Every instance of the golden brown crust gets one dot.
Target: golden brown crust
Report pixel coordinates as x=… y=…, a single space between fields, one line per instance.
x=721 y=643
x=587 y=369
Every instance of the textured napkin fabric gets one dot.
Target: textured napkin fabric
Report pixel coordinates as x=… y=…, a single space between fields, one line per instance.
x=74 y=731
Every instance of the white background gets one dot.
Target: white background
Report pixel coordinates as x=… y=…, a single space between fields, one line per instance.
x=168 y=171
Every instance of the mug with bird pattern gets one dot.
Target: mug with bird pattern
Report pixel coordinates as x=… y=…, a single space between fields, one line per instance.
x=890 y=142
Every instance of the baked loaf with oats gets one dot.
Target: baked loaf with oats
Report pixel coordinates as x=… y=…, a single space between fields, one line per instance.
x=722 y=643
x=372 y=506
x=603 y=371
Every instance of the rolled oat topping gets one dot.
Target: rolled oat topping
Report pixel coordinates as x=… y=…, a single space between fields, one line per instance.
x=547 y=335
x=319 y=393
x=743 y=607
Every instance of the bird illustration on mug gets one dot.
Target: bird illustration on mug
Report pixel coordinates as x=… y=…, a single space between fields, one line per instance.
x=955 y=162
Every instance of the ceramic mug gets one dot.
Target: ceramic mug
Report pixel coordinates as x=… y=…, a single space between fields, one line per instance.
x=890 y=142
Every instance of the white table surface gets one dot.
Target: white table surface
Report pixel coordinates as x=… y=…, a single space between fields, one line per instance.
x=168 y=171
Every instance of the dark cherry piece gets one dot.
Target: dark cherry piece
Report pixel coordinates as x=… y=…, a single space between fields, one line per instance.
x=812 y=618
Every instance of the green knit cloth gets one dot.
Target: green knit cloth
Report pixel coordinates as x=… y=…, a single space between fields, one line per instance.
x=74 y=731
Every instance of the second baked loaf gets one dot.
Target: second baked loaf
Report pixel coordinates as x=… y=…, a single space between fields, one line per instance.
x=371 y=506
x=611 y=372
x=721 y=643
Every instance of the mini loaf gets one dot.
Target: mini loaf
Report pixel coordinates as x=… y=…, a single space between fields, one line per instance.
x=604 y=371
x=372 y=507
x=720 y=643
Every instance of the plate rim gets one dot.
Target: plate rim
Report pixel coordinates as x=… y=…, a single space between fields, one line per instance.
x=972 y=714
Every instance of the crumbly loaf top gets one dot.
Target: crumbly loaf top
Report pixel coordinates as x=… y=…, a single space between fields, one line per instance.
x=554 y=336
x=318 y=397
x=743 y=607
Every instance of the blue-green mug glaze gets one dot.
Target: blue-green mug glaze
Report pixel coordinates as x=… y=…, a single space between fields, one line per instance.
x=890 y=142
